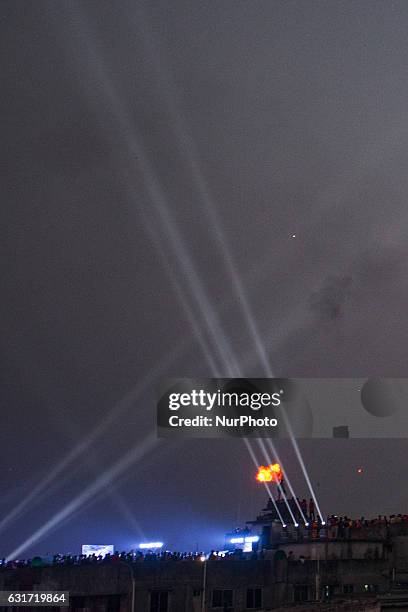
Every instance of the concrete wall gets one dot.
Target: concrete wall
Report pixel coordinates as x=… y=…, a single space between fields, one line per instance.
x=337 y=549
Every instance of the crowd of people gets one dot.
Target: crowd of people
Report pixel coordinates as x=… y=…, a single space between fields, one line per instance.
x=335 y=527
x=343 y=526
x=124 y=557
x=303 y=511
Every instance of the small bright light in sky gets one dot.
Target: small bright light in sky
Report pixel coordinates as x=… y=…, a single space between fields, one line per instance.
x=360 y=470
x=293 y=235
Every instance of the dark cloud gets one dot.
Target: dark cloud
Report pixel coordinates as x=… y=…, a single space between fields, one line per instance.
x=329 y=302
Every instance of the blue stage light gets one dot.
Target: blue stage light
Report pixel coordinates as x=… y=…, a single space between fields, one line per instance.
x=252 y=539
x=150 y=545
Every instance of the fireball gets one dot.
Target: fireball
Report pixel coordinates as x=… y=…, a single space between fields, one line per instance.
x=270 y=473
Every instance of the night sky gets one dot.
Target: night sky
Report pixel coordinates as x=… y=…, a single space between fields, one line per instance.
x=158 y=157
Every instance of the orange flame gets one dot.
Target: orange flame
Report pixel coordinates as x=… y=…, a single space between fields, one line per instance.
x=270 y=473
